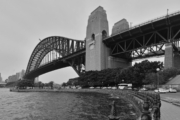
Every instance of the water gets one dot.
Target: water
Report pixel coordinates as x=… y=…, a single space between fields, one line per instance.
x=57 y=106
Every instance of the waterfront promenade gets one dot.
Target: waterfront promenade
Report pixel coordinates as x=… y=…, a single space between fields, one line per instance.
x=169 y=110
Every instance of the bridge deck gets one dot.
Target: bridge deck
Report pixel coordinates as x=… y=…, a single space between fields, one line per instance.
x=145 y=27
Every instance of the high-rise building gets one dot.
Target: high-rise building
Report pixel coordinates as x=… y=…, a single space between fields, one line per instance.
x=36 y=80
x=16 y=77
x=22 y=74
x=0 y=78
x=12 y=78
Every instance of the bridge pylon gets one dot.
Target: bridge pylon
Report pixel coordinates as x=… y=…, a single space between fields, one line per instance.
x=97 y=53
x=172 y=56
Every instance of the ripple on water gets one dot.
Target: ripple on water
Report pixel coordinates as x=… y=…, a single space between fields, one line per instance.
x=58 y=106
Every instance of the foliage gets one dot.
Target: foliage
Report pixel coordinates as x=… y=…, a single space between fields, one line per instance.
x=51 y=84
x=169 y=73
x=25 y=83
x=107 y=77
x=138 y=75
x=11 y=84
x=30 y=83
x=151 y=78
x=161 y=77
x=64 y=84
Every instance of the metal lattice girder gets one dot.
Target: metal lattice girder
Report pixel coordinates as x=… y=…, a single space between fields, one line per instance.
x=153 y=50
x=145 y=43
x=63 y=46
x=138 y=42
x=77 y=63
x=157 y=31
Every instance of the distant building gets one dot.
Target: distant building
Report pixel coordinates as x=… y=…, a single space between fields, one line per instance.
x=6 y=80
x=12 y=78
x=22 y=74
x=16 y=77
x=0 y=78
x=36 y=80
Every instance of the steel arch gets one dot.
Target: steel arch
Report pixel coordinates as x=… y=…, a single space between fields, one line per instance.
x=62 y=45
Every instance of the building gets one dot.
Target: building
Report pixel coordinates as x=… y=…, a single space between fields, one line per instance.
x=12 y=78
x=0 y=78
x=36 y=80
x=22 y=74
x=16 y=77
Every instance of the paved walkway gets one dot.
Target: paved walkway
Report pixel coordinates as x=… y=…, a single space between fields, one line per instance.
x=169 y=111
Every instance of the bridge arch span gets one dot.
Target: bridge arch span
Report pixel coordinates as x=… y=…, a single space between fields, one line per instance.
x=61 y=46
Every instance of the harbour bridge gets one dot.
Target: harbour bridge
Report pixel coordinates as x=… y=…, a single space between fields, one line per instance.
x=160 y=36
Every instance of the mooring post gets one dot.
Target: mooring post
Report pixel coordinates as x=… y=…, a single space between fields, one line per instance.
x=113 y=114
x=159 y=105
x=146 y=114
x=156 y=110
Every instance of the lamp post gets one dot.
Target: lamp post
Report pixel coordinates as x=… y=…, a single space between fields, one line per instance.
x=122 y=80
x=157 y=78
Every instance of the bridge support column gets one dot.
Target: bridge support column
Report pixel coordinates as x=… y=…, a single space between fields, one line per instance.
x=171 y=58
x=96 y=51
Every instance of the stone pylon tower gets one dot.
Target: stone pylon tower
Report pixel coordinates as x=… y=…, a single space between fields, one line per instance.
x=96 y=52
x=171 y=58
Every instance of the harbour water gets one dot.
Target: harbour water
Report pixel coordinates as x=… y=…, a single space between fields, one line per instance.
x=59 y=106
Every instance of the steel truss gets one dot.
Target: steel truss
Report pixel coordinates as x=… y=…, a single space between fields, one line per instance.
x=146 y=45
x=53 y=49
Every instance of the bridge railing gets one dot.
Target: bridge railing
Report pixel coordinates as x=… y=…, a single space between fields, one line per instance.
x=150 y=21
x=147 y=105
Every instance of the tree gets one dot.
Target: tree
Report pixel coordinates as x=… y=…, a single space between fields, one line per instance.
x=64 y=84
x=25 y=83
x=143 y=68
x=169 y=73
x=51 y=84
x=151 y=78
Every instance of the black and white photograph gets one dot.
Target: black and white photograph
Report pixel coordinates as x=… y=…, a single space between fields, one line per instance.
x=89 y=59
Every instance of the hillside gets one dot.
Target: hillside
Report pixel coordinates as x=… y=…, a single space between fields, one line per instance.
x=175 y=80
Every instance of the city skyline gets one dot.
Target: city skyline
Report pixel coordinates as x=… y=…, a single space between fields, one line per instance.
x=23 y=23
x=16 y=76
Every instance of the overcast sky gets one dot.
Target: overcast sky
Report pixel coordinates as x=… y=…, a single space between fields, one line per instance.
x=24 y=22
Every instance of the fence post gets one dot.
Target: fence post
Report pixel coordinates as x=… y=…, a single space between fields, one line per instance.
x=159 y=105
x=113 y=114
x=145 y=113
x=156 y=110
